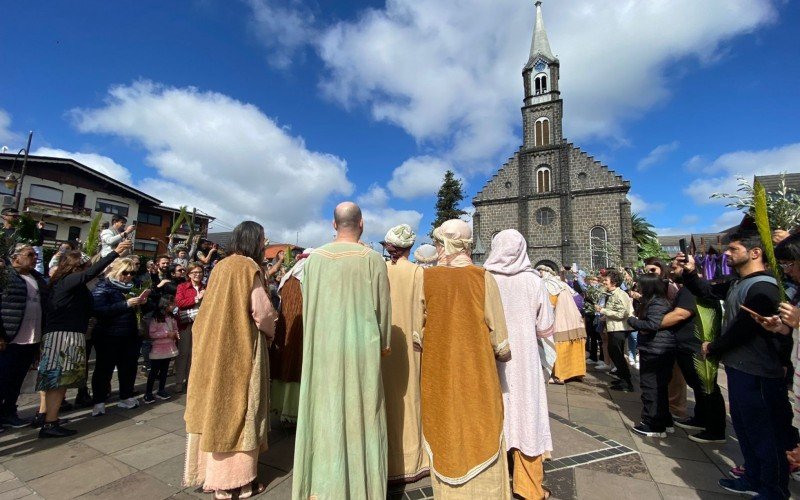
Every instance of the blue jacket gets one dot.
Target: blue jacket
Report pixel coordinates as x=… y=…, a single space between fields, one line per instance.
x=114 y=317
x=13 y=298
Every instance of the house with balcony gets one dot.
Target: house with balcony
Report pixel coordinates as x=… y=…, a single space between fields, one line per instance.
x=154 y=224
x=66 y=195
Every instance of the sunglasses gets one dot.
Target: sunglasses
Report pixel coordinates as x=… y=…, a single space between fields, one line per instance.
x=786 y=265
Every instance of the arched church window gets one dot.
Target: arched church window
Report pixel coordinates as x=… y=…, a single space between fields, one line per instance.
x=542 y=131
x=598 y=247
x=540 y=84
x=543 y=184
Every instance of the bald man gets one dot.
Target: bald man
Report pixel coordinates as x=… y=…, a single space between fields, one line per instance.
x=341 y=444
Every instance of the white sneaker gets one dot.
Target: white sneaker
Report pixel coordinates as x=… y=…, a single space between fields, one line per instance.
x=637 y=364
x=590 y=362
x=601 y=366
x=99 y=409
x=129 y=404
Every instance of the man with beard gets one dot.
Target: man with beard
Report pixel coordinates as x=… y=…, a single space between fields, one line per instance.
x=754 y=364
x=709 y=409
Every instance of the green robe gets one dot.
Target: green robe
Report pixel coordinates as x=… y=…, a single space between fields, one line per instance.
x=341 y=448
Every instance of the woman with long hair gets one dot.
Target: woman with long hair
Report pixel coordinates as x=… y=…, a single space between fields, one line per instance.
x=227 y=409
x=656 y=355
x=116 y=336
x=67 y=313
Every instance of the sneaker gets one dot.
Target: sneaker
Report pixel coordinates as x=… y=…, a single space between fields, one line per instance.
x=99 y=409
x=163 y=395
x=148 y=399
x=54 y=430
x=736 y=471
x=15 y=422
x=690 y=424
x=129 y=404
x=738 y=485
x=645 y=430
x=707 y=437
x=601 y=366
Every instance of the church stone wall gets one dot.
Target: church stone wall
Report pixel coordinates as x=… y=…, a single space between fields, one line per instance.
x=503 y=184
x=589 y=212
x=551 y=110
x=495 y=218
x=597 y=174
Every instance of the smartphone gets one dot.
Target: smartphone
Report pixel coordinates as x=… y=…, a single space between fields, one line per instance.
x=755 y=314
x=684 y=251
x=145 y=294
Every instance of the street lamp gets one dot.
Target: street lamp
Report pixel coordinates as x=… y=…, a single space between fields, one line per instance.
x=11 y=181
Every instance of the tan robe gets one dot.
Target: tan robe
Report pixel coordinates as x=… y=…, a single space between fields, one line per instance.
x=400 y=371
x=462 y=406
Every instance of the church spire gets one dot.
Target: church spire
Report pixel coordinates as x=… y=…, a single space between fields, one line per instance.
x=540 y=46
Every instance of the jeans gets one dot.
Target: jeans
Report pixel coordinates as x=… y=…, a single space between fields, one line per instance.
x=119 y=352
x=633 y=343
x=709 y=409
x=758 y=409
x=15 y=361
x=616 y=348
x=654 y=374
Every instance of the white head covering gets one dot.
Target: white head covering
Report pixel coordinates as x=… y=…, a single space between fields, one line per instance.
x=455 y=239
x=401 y=236
x=509 y=254
x=426 y=255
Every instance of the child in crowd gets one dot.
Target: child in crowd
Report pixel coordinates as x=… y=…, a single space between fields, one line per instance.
x=164 y=334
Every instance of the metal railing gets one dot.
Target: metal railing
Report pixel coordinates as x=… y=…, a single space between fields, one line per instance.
x=59 y=208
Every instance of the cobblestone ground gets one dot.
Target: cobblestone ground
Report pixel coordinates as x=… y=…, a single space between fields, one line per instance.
x=139 y=454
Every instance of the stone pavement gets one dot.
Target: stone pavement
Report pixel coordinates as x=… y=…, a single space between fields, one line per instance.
x=139 y=454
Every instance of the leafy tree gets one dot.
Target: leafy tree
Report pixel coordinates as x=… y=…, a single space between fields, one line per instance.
x=450 y=195
x=652 y=248
x=783 y=205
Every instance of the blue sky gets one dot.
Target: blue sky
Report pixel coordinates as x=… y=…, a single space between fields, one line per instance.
x=278 y=110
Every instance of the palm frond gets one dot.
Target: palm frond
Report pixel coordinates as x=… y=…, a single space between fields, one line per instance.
x=92 y=243
x=182 y=217
x=761 y=216
x=707 y=326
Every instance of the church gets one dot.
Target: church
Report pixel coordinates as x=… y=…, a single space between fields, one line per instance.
x=570 y=208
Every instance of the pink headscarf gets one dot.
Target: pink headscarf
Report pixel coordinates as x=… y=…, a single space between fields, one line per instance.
x=509 y=254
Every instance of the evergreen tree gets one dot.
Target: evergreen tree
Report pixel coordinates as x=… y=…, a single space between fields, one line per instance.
x=450 y=195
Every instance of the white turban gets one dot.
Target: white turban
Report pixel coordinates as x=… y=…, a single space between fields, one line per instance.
x=401 y=236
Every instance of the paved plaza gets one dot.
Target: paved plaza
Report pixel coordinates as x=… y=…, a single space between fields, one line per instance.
x=139 y=454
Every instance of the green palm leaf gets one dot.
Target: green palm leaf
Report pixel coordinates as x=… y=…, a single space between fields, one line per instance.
x=707 y=326
x=92 y=244
x=761 y=216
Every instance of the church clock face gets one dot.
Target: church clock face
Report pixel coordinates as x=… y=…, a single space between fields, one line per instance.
x=540 y=65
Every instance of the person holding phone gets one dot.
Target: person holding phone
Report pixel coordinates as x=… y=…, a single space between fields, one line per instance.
x=110 y=238
x=755 y=362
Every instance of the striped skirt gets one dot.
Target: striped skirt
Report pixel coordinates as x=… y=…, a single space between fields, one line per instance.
x=63 y=362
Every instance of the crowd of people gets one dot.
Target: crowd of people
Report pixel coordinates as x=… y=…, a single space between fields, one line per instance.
x=392 y=370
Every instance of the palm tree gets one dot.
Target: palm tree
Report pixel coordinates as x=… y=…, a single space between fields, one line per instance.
x=643 y=232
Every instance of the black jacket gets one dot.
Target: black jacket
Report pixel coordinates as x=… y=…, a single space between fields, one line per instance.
x=13 y=298
x=114 y=317
x=653 y=339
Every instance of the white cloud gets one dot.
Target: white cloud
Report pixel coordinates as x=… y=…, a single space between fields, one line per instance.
x=225 y=156
x=719 y=175
x=640 y=206
x=7 y=136
x=726 y=220
x=690 y=220
x=379 y=217
x=657 y=155
x=450 y=76
x=102 y=164
x=283 y=27
x=418 y=176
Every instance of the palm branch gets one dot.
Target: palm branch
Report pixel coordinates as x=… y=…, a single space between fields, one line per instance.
x=91 y=245
x=182 y=217
x=761 y=216
x=707 y=325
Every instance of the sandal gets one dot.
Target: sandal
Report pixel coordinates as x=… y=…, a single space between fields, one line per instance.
x=547 y=493
x=555 y=381
x=247 y=491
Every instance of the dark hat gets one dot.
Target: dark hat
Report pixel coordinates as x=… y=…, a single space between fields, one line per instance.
x=9 y=211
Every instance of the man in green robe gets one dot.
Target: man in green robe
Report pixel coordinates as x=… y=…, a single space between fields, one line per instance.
x=341 y=447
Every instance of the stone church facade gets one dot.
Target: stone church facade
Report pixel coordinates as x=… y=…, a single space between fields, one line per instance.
x=569 y=207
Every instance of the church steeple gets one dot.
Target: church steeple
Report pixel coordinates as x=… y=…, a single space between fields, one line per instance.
x=540 y=74
x=540 y=45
